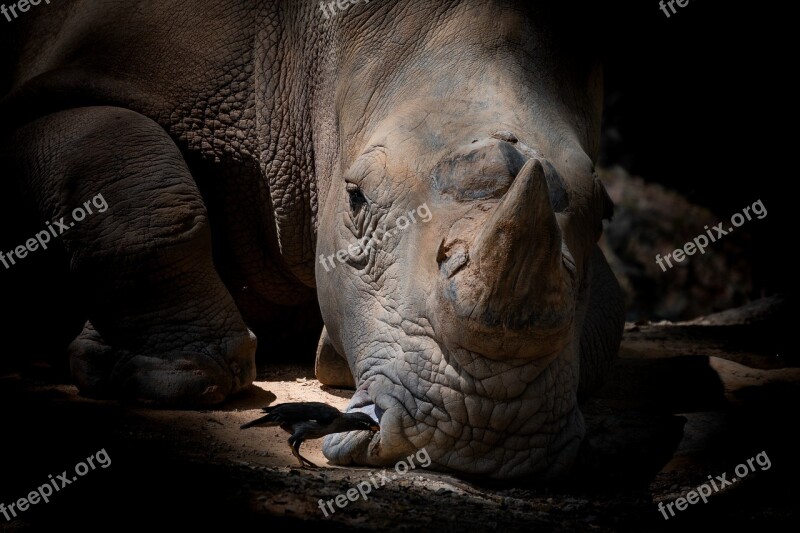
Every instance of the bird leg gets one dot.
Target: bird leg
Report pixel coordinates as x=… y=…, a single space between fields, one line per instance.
x=296 y=452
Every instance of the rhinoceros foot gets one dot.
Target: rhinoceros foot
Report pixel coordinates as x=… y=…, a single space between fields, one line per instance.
x=197 y=374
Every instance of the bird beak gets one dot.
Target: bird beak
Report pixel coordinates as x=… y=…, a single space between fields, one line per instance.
x=375 y=427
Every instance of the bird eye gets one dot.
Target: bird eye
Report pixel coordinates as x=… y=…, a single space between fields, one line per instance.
x=357 y=198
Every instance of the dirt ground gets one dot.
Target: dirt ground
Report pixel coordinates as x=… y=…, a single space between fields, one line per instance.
x=663 y=424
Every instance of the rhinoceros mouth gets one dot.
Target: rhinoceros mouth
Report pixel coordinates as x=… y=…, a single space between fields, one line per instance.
x=361 y=447
x=362 y=403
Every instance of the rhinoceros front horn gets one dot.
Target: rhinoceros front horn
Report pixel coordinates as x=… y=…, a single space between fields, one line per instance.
x=511 y=298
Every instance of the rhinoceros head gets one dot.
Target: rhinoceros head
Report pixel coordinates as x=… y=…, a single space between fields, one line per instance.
x=457 y=231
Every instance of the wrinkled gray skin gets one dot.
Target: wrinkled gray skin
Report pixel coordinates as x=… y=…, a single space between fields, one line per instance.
x=294 y=137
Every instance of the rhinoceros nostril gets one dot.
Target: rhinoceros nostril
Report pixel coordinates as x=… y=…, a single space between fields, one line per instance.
x=451 y=257
x=440 y=254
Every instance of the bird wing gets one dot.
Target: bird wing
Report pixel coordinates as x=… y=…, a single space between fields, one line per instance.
x=291 y=413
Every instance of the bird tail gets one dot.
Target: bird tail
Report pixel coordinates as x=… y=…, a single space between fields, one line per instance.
x=266 y=420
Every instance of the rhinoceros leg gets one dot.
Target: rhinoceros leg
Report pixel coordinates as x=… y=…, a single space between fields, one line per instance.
x=602 y=327
x=331 y=368
x=162 y=328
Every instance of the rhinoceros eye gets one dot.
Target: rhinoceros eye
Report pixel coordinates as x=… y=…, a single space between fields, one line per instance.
x=357 y=198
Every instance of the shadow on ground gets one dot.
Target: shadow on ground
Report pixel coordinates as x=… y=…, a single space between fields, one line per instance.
x=661 y=426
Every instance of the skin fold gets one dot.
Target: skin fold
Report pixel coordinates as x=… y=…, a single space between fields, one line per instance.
x=246 y=148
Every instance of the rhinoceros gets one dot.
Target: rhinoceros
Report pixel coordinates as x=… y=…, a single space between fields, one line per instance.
x=424 y=167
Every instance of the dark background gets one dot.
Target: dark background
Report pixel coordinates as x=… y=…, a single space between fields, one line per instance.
x=699 y=102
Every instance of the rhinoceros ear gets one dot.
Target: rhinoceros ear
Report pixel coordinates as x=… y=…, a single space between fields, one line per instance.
x=602 y=326
x=605 y=201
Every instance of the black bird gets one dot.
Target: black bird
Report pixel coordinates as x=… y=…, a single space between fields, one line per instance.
x=311 y=420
